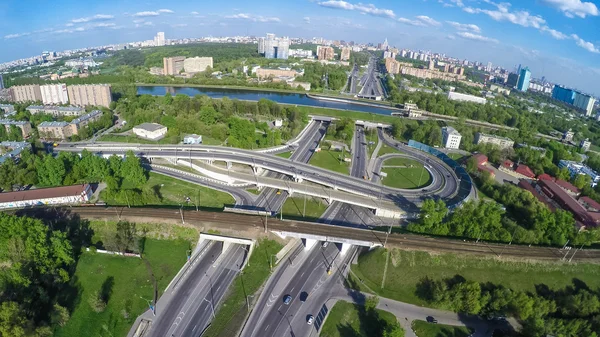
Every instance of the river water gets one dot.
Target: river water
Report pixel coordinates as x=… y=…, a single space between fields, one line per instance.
x=255 y=95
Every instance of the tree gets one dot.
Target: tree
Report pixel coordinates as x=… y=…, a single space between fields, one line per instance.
x=12 y=320
x=60 y=315
x=131 y=170
x=371 y=303
x=51 y=171
x=582 y=180
x=96 y=302
x=393 y=330
x=126 y=236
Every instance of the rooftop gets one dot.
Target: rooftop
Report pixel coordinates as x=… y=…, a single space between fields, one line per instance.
x=149 y=126
x=42 y=193
x=525 y=170
x=86 y=117
x=451 y=131
x=51 y=107
x=11 y=122
x=567 y=185
x=494 y=136
x=593 y=203
x=50 y=124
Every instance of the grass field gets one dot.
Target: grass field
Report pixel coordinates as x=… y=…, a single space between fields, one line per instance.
x=424 y=329
x=294 y=208
x=407 y=268
x=253 y=191
x=285 y=154
x=155 y=231
x=232 y=313
x=173 y=192
x=349 y=320
x=329 y=160
x=386 y=149
x=413 y=175
x=130 y=287
x=347 y=113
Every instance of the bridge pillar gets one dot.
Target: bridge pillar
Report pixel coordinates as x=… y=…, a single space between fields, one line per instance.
x=329 y=201
x=345 y=247
x=229 y=165
x=290 y=191
x=226 y=245
x=260 y=187
x=257 y=170
x=309 y=243
x=209 y=162
x=298 y=179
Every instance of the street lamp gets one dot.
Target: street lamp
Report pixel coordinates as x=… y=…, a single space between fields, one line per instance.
x=211 y=307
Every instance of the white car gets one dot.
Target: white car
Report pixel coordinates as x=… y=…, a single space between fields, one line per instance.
x=310 y=319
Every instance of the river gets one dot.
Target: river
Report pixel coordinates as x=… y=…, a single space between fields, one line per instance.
x=255 y=95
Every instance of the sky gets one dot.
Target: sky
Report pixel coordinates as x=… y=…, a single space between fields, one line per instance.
x=558 y=39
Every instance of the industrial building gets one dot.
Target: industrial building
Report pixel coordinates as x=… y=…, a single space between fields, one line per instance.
x=25 y=93
x=152 y=131
x=450 y=138
x=173 y=65
x=63 y=195
x=501 y=142
x=55 y=111
x=54 y=94
x=455 y=96
x=197 y=64
x=90 y=94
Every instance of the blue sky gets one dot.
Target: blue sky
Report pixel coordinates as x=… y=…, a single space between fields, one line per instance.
x=556 y=38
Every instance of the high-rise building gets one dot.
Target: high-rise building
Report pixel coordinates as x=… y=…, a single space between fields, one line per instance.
x=512 y=80
x=275 y=47
x=173 y=65
x=524 y=78
x=488 y=68
x=159 y=39
x=54 y=94
x=90 y=94
x=450 y=138
x=345 y=54
x=385 y=45
x=197 y=64
x=25 y=93
x=1 y=82
x=431 y=65
x=585 y=103
x=324 y=53
x=568 y=135
x=563 y=94
x=261 y=45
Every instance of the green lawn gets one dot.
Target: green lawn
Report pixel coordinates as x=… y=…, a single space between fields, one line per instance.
x=173 y=192
x=456 y=156
x=232 y=313
x=350 y=320
x=130 y=285
x=424 y=329
x=156 y=231
x=329 y=160
x=407 y=268
x=413 y=175
x=253 y=191
x=294 y=208
x=348 y=113
x=386 y=149
x=285 y=154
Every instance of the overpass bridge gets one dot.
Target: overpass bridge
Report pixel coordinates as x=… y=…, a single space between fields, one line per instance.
x=310 y=240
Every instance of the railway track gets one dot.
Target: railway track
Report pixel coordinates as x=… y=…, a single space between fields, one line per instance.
x=405 y=241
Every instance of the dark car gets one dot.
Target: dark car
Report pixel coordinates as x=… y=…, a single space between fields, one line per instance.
x=287 y=299
x=430 y=319
x=303 y=296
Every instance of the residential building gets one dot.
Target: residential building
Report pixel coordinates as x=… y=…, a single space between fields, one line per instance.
x=302 y=53
x=578 y=168
x=62 y=195
x=481 y=160
x=262 y=73
x=450 y=138
x=512 y=80
x=524 y=184
x=54 y=94
x=392 y=66
x=568 y=135
x=261 y=45
x=563 y=94
x=25 y=93
x=173 y=65
x=585 y=144
x=500 y=89
x=426 y=73
x=13 y=150
x=7 y=109
x=23 y=125
x=585 y=103
x=455 y=96
x=81 y=122
x=325 y=53
x=197 y=64
x=345 y=54
x=152 y=131
x=521 y=171
x=1 y=82
x=524 y=78
x=90 y=94
x=274 y=47
x=55 y=111
x=192 y=139
x=159 y=39
x=568 y=187
x=501 y=142
x=55 y=130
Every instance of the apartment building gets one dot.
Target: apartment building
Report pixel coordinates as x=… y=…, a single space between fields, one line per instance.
x=501 y=142
x=25 y=93
x=450 y=137
x=54 y=94
x=64 y=130
x=90 y=94
x=197 y=64
x=345 y=54
x=23 y=125
x=55 y=111
x=173 y=65
x=456 y=96
x=325 y=53
x=262 y=73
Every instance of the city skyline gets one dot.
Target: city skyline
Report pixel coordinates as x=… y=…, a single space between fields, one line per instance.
x=554 y=38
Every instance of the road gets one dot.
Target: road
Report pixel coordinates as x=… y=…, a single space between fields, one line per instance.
x=189 y=304
x=372 y=86
x=269 y=199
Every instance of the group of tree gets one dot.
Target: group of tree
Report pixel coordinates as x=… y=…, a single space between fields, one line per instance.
x=232 y=121
x=342 y=130
x=572 y=311
x=523 y=219
x=318 y=75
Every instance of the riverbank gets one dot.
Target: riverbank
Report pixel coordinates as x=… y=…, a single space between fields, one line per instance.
x=226 y=87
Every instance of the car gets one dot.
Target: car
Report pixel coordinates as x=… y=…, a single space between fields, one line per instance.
x=303 y=296
x=325 y=244
x=287 y=299
x=310 y=319
x=278 y=192
x=430 y=319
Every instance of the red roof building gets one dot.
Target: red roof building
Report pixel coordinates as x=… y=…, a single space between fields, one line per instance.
x=480 y=159
x=568 y=203
x=507 y=164
x=589 y=203
x=567 y=186
x=527 y=186
x=524 y=170
x=545 y=176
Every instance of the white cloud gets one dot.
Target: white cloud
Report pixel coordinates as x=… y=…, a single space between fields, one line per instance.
x=144 y=24
x=458 y=3
x=194 y=13
x=554 y=33
x=97 y=17
x=585 y=44
x=104 y=25
x=573 y=8
x=369 y=9
x=451 y=37
x=429 y=21
x=254 y=18
x=306 y=19
x=476 y=37
x=14 y=36
x=138 y=20
x=179 y=25
x=421 y=21
x=70 y=24
x=470 y=10
x=146 y=13
x=165 y=11
x=464 y=26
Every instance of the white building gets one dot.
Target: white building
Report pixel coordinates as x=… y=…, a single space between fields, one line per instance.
x=192 y=139
x=152 y=131
x=585 y=103
x=302 y=53
x=501 y=142
x=455 y=96
x=8 y=109
x=54 y=94
x=578 y=168
x=46 y=196
x=55 y=111
x=197 y=64
x=159 y=39
x=450 y=138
